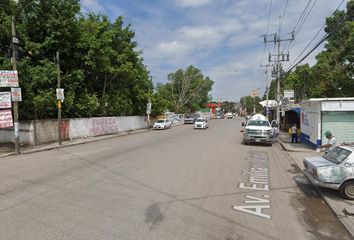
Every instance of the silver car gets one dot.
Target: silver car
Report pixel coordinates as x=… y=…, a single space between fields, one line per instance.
x=333 y=170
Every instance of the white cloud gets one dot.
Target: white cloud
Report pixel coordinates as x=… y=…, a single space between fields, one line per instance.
x=172 y=48
x=92 y=6
x=192 y=3
x=217 y=37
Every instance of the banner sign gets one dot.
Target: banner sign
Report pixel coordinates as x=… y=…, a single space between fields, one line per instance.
x=16 y=94
x=5 y=100
x=6 y=118
x=8 y=78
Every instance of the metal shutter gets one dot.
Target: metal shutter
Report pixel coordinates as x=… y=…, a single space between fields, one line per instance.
x=341 y=124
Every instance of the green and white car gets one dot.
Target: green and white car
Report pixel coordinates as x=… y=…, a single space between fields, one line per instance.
x=333 y=170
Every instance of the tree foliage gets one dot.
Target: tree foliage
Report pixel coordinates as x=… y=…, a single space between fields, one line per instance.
x=186 y=91
x=249 y=103
x=101 y=71
x=333 y=73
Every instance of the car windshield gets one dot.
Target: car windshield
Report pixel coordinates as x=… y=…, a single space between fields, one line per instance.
x=257 y=123
x=200 y=120
x=337 y=155
x=160 y=121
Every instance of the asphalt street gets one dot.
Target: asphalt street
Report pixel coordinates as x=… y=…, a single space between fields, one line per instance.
x=178 y=183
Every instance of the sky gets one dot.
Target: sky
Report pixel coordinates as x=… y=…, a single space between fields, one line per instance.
x=222 y=38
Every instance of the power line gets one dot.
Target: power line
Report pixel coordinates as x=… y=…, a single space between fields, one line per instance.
x=303 y=20
x=317 y=45
x=286 y=4
x=302 y=59
x=269 y=13
x=308 y=44
x=302 y=14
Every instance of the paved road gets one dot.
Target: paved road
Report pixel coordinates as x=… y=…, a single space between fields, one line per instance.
x=172 y=184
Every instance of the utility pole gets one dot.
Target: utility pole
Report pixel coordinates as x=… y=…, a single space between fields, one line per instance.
x=59 y=100
x=278 y=58
x=14 y=67
x=267 y=88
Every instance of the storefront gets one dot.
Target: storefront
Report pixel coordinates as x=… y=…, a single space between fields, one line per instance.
x=319 y=115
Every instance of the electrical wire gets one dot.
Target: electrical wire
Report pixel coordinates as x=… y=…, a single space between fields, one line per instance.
x=265 y=44
x=313 y=49
x=282 y=18
x=287 y=45
x=305 y=18
x=317 y=45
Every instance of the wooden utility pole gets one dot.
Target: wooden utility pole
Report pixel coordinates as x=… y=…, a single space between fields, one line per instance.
x=14 y=67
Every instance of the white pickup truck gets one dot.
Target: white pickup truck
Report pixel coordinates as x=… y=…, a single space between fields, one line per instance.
x=257 y=130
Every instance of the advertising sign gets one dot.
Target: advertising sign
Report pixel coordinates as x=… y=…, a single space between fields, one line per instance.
x=5 y=100
x=16 y=94
x=148 y=108
x=8 y=78
x=6 y=118
x=60 y=94
x=288 y=93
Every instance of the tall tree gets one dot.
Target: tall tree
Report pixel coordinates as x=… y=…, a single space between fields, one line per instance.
x=102 y=73
x=188 y=89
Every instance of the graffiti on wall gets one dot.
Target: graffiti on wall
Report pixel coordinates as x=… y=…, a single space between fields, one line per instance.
x=102 y=126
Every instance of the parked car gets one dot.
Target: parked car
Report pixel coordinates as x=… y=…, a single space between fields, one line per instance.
x=333 y=170
x=201 y=123
x=190 y=119
x=162 y=124
x=257 y=130
x=229 y=115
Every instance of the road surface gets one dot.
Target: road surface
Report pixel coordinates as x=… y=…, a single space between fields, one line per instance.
x=178 y=183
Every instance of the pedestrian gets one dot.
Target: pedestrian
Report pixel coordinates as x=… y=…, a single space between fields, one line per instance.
x=332 y=141
x=294 y=134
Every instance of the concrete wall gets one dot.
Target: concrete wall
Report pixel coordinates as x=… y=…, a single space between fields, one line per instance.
x=26 y=130
x=88 y=127
x=46 y=131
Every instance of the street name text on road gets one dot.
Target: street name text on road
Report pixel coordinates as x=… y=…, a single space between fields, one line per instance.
x=258 y=180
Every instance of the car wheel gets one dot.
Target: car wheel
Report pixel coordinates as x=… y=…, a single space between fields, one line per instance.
x=347 y=190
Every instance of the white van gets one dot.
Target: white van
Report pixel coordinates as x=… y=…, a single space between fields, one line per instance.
x=258 y=129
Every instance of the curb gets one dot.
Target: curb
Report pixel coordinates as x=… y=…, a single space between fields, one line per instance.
x=76 y=141
x=339 y=216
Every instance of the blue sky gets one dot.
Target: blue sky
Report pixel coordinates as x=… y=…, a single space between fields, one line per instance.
x=220 y=37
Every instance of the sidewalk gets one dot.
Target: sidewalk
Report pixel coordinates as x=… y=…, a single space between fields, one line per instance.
x=342 y=208
x=8 y=149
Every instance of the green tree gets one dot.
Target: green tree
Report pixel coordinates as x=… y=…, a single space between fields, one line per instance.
x=332 y=75
x=187 y=89
x=249 y=103
x=101 y=71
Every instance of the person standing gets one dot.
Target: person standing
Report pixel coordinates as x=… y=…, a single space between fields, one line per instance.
x=332 y=141
x=294 y=134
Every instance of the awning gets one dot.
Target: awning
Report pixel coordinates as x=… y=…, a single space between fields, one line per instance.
x=271 y=103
